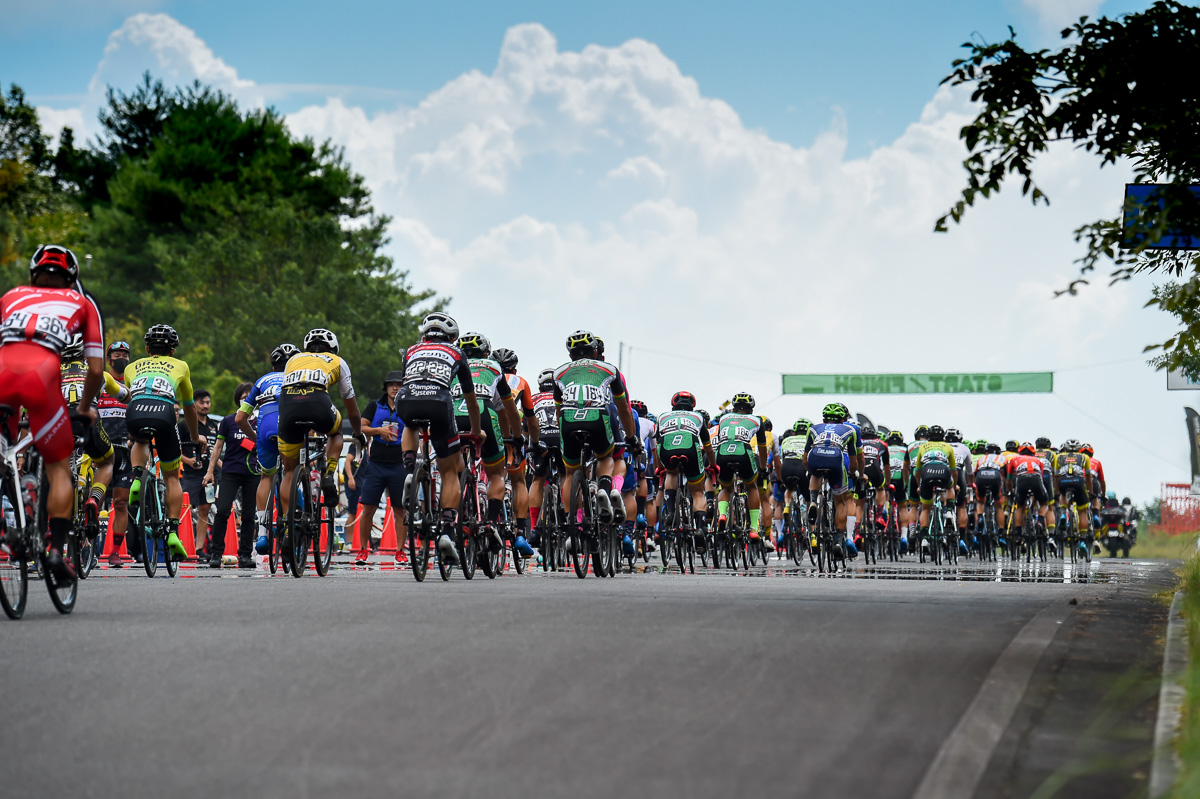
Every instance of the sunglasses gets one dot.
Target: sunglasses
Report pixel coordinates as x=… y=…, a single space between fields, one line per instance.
x=119 y=345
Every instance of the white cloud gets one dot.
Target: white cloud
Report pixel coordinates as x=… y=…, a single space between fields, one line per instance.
x=601 y=189
x=1057 y=14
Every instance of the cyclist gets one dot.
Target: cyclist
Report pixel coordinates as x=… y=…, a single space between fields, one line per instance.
x=898 y=485
x=583 y=389
x=1099 y=486
x=935 y=466
x=517 y=465
x=681 y=434
x=492 y=395
x=876 y=462
x=156 y=383
x=647 y=431
x=831 y=450
x=432 y=367
x=920 y=436
x=990 y=474
x=962 y=456
x=36 y=323
x=97 y=445
x=736 y=429
x=789 y=467
x=263 y=400
x=549 y=444
x=306 y=404
x=1072 y=476
x=1025 y=477
x=112 y=412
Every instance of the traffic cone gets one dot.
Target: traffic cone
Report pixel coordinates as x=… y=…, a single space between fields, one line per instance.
x=108 y=539
x=187 y=531
x=387 y=541
x=231 y=535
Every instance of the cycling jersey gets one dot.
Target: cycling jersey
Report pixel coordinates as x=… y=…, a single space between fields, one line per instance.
x=791 y=446
x=159 y=377
x=588 y=383
x=834 y=435
x=1097 y=470
x=307 y=371
x=1046 y=456
x=546 y=412
x=1025 y=464
x=1071 y=465
x=962 y=455
x=50 y=318
x=735 y=432
x=490 y=386
x=986 y=462
x=264 y=395
x=935 y=452
x=897 y=457
x=521 y=394
x=74 y=374
x=682 y=434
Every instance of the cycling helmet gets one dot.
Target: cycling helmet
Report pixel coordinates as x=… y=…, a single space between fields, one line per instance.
x=978 y=447
x=1111 y=495
x=954 y=435
x=120 y=344
x=281 y=354
x=639 y=407
x=438 y=325
x=162 y=336
x=993 y=449
x=742 y=403
x=1042 y=442
x=921 y=433
x=73 y=351
x=1026 y=448
x=323 y=338
x=507 y=360
x=684 y=401
x=937 y=433
x=546 y=380
x=54 y=258
x=581 y=341
x=704 y=415
x=801 y=426
x=767 y=424
x=1086 y=449
x=1126 y=501
x=599 y=348
x=1010 y=445
x=868 y=432
x=475 y=345
x=895 y=437
x=833 y=412
x=1070 y=445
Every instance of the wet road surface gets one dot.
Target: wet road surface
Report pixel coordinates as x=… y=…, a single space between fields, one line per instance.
x=777 y=681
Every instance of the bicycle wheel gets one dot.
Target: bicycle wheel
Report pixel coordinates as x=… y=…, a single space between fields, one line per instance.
x=273 y=552
x=14 y=571
x=300 y=513
x=324 y=539
x=580 y=545
x=63 y=597
x=146 y=525
x=171 y=562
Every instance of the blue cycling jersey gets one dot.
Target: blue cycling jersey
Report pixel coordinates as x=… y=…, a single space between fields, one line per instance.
x=264 y=394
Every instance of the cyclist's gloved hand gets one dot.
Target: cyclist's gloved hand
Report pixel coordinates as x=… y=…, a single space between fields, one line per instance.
x=633 y=444
x=362 y=441
x=541 y=446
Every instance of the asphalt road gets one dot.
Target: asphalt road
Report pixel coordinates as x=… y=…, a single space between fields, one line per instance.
x=889 y=683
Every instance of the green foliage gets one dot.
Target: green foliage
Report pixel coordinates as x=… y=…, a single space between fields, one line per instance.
x=222 y=223
x=1115 y=89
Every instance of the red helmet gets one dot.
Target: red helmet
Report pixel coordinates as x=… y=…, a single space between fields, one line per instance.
x=1086 y=449
x=54 y=258
x=683 y=401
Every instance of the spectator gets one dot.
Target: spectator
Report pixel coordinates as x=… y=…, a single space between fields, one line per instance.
x=239 y=472
x=384 y=468
x=352 y=468
x=192 y=474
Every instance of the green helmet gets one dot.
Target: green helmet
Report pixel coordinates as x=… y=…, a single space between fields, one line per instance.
x=834 y=412
x=801 y=426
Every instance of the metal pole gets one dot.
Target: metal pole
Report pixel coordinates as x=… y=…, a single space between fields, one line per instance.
x=620 y=354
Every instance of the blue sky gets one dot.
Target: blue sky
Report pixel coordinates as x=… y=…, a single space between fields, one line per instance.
x=783 y=66
x=750 y=185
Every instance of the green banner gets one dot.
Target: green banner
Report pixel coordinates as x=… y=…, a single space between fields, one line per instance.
x=948 y=383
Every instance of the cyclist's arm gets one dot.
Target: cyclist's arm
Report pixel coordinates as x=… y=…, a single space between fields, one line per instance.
x=352 y=413
x=535 y=429
x=193 y=424
x=242 y=420
x=709 y=455
x=512 y=415
x=91 y=384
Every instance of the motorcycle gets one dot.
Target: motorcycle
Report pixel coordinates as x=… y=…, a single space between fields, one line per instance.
x=1115 y=534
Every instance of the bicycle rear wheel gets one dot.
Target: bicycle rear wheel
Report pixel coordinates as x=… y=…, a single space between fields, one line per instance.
x=420 y=524
x=146 y=524
x=300 y=514
x=169 y=560
x=324 y=541
x=273 y=552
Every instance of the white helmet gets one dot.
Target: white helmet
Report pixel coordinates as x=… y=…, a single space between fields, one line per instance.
x=322 y=336
x=439 y=325
x=73 y=350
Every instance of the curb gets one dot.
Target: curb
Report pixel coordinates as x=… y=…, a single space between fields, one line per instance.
x=1165 y=768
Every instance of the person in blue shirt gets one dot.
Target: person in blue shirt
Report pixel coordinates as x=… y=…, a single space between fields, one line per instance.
x=384 y=469
x=263 y=400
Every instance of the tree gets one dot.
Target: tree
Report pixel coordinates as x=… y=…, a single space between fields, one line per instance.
x=1116 y=89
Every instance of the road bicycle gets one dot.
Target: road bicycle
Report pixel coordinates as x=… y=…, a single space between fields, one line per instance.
x=986 y=529
x=941 y=547
x=871 y=539
x=310 y=525
x=422 y=505
x=550 y=527
x=482 y=542
x=590 y=538
x=1033 y=533
x=682 y=523
x=25 y=523
x=829 y=553
x=84 y=530
x=148 y=515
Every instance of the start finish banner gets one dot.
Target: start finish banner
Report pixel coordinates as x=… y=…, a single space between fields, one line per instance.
x=933 y=383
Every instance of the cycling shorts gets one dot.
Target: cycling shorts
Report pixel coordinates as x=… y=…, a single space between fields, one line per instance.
x=934 y=476
x=30 y=379
x=743 y=465
x=1073 y=487
x=154 y=420
x=795 y=476
x=830 y=463
x=1048 y=483
x=266 y=442
x=541 y=461
x=989 y=481
x=433 y=405
x=590 y=424
x=1030 y=484
x=122 y=468
x=492 y=451
x=96 y=445
x=685 y=460
x=302 y=410
x=876 y=476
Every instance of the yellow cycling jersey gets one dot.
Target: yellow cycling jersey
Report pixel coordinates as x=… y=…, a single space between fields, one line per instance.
x=319 y=370
x=74 y=373
x=935 y=452
x=1071 y=464
x=159 y=377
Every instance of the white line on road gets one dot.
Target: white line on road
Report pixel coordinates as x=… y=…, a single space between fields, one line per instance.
x=960 y=762
x=1170 y=702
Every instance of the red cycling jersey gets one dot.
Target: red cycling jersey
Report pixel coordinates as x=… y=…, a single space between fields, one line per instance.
x=35 y=325
x=1097 y=470
x=1025 y=464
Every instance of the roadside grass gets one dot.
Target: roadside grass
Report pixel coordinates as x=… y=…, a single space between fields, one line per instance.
x=1188 y=742
x=1160 y=546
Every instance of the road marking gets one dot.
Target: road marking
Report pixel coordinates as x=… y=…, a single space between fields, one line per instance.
x=960 y=762
x=1170 y=702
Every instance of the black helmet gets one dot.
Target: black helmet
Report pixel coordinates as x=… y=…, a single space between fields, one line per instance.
x=704 y=415
x=599 y=348
x=993 y=449
x=895 y=437
x=546 y=380
x=162 y=336
x=1011 y=445
x=742 y=403
x=937 y=433
x=868 y=432
x=1043 y=443
x=921 y=433
x=74 y=349
x=281 y=354
x=475 y=345
x=507 y=360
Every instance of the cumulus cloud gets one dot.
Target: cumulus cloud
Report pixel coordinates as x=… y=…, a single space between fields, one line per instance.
x=601 y=189
x=1057 y=14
